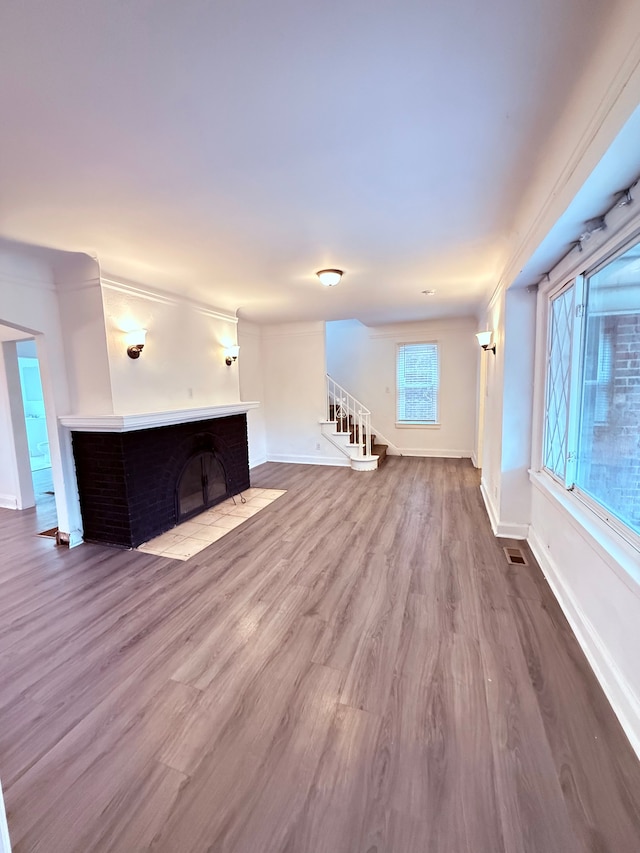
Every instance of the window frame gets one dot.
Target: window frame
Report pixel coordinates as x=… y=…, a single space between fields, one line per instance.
x=578 y=280
x=417 y=424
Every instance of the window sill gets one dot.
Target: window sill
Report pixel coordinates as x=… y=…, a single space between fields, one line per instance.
x=620 y=554
x=417 y=426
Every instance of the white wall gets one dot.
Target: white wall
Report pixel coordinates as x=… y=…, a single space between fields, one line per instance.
x=182 y=365
x=592 y=569
x=251 y=368
x=82 y=320
x=295 y=392
x=604 y=98
x=16 y=486
x=508 y=411
x=29 y=302
x=596 y=579
x=363 y=360
x=492 y=424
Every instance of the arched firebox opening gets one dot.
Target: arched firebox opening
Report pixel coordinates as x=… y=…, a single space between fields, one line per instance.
x=202 y=483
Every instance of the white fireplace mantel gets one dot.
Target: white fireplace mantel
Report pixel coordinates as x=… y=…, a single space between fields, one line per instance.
x=150 y=420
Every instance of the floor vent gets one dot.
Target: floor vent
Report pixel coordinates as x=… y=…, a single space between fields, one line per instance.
x=515 y=557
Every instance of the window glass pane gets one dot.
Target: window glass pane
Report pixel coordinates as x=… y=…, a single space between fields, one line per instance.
x=609 y=446
x=557 y=413
x=417 y=383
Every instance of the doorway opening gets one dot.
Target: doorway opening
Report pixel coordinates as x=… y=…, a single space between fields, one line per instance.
x=35 y=423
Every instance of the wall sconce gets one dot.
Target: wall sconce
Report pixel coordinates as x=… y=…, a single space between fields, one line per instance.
x=231 y=355
x=484 y=339
x=135 y=342
x=329 y=277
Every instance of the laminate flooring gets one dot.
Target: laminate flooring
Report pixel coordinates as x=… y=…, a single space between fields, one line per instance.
x=356 y=669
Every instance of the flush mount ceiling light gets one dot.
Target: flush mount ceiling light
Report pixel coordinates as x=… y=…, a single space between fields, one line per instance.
x=329 y=278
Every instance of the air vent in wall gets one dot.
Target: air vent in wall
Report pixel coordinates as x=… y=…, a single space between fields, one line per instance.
x=515 y=557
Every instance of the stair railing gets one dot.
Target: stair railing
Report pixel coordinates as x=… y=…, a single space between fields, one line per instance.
x=349 y=414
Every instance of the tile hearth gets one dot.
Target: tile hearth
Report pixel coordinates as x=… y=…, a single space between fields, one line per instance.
x=191 y=537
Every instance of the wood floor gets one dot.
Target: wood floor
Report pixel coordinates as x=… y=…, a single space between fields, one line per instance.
x=354 y=670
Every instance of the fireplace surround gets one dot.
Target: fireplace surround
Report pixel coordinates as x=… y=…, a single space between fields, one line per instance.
x=130 y=471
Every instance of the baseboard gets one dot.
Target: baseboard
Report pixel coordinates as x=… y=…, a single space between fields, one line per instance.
x=488 y=505
x=474 y=460
x=621 y=696
x=512 y=531
x=436 y=454
x=253 y=463
x=8 y=502
x=501 y=529
x=336 y=461
x=75 y=538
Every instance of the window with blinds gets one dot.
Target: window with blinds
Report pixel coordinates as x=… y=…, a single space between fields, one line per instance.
x=417 y=381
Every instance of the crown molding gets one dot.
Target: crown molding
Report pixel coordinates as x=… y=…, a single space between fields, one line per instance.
x=162 y=297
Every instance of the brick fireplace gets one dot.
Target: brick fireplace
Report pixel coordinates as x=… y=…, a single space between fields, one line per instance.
x=138 y=475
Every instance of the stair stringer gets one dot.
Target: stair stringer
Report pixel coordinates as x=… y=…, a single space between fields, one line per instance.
x=342 y=441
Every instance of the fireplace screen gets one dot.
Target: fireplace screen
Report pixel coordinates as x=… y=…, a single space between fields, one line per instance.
x=201 y=484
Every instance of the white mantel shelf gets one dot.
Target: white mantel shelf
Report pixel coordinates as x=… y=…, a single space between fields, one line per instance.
x=149 y=420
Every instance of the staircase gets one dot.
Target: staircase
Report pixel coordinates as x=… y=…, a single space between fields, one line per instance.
x=348 y=427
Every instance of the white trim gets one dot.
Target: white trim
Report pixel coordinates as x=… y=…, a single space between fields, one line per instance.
x=8 y=502
x=151 y=294
x=336 y=461
x=610 y=546
x=255 y=462
x=488 y=503
x=501 y=529
x=75 y=538
x=294 y=330
x=214 y=313
x=364 y=463
x=474 y=459
x=417 y=425
x=436 y=453
x=621 y=696
x=506 y=530
x=149 y=420
x=401 y=333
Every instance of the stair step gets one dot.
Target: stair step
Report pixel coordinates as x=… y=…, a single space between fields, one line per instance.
x=379 y=450
x=354 y=431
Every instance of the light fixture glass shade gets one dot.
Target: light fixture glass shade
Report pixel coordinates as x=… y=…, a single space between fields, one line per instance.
x=136 y=338
x=329 y=277
x=232 y=352
x=484 y=338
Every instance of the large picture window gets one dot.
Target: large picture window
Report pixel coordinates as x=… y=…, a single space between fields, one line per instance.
x=417 y=380
x=592 y=423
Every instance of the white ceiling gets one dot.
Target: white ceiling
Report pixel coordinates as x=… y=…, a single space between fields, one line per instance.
x=230 y=149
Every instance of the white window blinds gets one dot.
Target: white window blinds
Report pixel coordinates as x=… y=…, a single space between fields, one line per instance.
x=417 y=380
